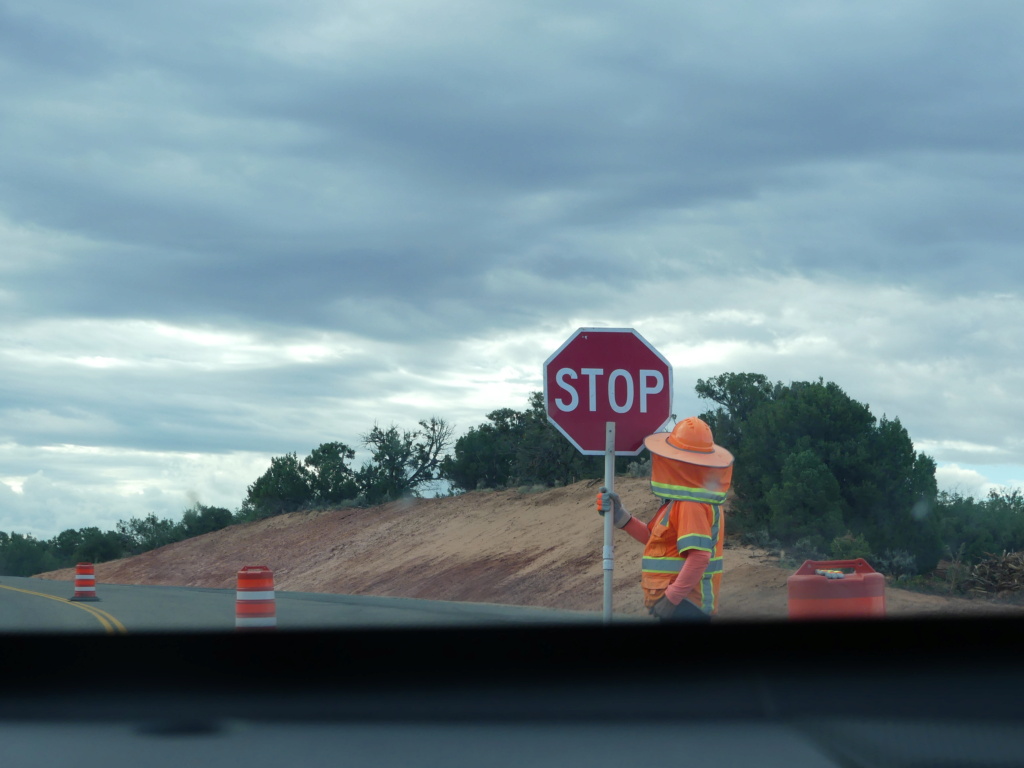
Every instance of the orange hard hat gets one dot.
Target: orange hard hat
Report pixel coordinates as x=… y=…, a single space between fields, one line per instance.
x=689 y=441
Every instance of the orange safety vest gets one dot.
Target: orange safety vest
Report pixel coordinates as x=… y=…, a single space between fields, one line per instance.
x=680 y=526
x=691 y=519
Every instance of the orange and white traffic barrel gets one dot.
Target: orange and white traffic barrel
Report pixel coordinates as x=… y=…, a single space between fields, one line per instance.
x=85 y=582
x=254 y=600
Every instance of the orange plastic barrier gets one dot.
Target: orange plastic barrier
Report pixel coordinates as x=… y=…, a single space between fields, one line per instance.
x=254 y=601
x=834 y=589
x=85 y=583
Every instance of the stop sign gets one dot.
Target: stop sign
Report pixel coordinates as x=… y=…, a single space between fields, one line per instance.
x=607 y=374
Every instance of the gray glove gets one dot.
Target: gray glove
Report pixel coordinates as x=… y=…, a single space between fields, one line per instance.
x=663 y=609
x=606 y=501
x=686 y=611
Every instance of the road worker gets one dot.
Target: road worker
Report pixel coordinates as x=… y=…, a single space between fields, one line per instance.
x=682 y=564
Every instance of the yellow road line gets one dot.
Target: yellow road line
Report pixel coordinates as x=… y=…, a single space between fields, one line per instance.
x=109 y=623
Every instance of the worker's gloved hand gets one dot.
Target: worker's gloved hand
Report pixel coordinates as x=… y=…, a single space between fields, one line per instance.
x=610 y=500
x=663 y=609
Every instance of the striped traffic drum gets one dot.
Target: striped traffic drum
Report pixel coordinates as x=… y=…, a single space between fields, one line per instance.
x=85 y=582
x=254 y=600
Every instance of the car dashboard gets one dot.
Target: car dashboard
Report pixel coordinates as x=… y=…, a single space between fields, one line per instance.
x=855 y=693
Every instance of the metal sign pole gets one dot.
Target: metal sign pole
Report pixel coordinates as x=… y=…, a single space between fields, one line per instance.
x=609 y=519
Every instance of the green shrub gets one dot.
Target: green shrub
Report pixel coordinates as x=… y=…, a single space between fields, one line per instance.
x=808 y=548
x=896 y=562
x=639 y=468
x=848 y=547
x=761 y=539
x=538 y=488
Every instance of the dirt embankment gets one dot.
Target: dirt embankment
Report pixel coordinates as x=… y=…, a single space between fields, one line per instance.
x=536 y=549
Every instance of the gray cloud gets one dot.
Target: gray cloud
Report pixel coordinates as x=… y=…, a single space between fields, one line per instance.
x=238 y=229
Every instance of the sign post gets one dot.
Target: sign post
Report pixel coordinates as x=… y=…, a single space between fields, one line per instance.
x=608 y=561
x=606 y=389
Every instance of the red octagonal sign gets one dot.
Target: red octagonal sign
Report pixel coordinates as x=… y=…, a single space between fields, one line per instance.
x=607 y=374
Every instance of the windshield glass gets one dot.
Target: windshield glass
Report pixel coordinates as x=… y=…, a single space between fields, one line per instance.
x=297 y=300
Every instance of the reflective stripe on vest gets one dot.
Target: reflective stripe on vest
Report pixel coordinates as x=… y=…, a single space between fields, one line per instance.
x=675 y=565
x=683 y=493
x=696 y=541
x=707 y=588
x=707 y=593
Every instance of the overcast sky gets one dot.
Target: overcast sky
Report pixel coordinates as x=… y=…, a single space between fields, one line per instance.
x=233 y=230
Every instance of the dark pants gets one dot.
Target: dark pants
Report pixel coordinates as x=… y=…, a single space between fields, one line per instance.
x=687 y=612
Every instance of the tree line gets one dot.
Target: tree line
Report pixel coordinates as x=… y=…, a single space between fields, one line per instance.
x=816 y=472
x=25 y=555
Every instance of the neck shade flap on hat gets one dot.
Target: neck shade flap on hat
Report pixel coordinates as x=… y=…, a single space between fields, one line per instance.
x=679 y=481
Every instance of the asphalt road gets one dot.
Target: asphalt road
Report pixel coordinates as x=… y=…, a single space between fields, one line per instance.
x=39 y=605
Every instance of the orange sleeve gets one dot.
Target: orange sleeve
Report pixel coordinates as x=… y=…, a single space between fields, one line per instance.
x=638 y=530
